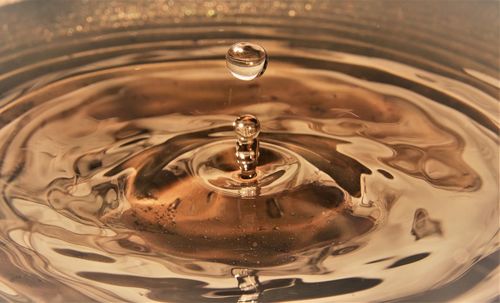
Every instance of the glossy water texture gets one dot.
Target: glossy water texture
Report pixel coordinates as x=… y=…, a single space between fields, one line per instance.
x=247 y=130
x=377 y=176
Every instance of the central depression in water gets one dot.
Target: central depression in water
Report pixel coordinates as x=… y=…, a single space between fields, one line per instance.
x=111 y=183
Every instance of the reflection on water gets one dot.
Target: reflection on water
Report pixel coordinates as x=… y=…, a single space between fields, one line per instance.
x=378 y=173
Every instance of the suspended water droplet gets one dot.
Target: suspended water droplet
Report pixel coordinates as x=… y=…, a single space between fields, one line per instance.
x=246 y=61
x=247 y=127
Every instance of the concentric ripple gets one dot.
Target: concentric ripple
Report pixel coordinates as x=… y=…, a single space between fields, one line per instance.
x=379 y=169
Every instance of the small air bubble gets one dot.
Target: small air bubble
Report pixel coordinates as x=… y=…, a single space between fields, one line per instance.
x=246 y=61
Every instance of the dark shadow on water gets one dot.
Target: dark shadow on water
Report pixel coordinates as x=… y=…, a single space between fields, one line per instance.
x=468 y=281
x=187 y=290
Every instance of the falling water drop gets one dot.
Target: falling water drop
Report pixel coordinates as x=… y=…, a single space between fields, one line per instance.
x=246 y=61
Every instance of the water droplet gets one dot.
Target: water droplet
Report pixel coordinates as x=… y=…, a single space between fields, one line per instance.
x=246 y=61
x=247 y=127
